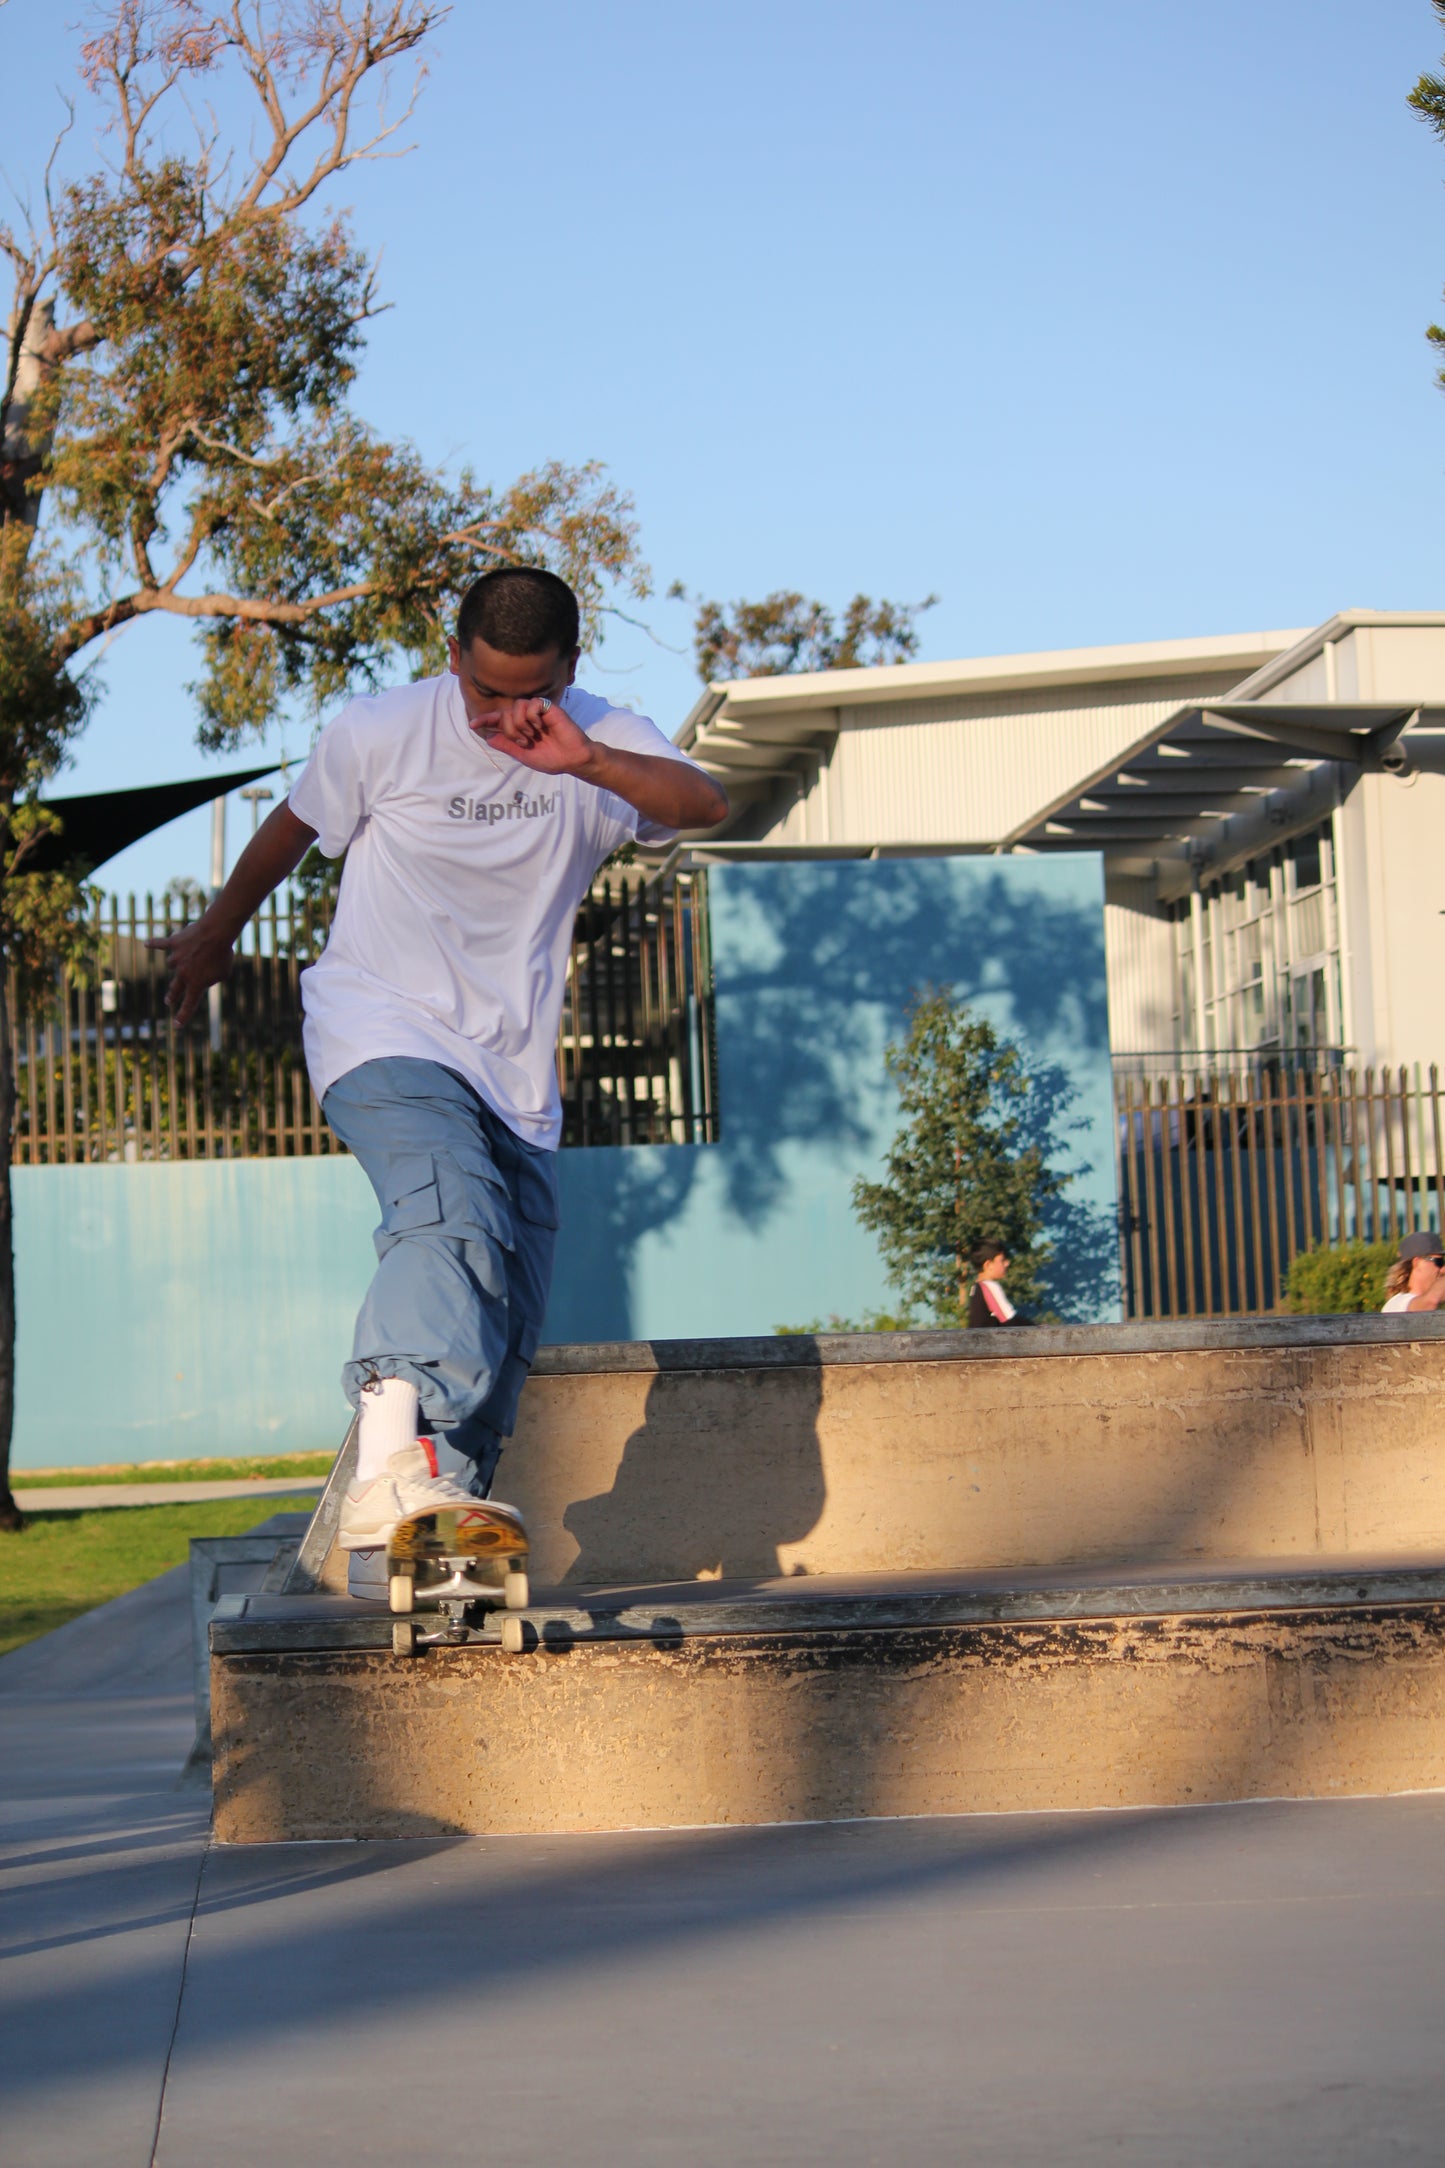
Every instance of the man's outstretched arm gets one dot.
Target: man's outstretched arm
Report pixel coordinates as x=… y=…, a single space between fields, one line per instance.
x=202 y=953
x=670 y=792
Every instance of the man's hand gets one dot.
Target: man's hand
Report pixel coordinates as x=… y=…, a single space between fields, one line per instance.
x=541 y=735
x=201 y=955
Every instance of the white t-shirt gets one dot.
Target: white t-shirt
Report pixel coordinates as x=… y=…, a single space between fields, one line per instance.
x=463 y=877
x=1402 y=1301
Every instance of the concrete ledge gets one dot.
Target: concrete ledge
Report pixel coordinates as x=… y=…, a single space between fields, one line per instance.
x=911 y=1452
x=812 y=1351
x=905 y=1574
x=864 y=1721
x=248 y=1625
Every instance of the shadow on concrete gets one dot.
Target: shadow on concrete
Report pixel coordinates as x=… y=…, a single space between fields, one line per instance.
x=655 y=1514
x=98 y=1840
x=126 y=1907
x=553 y=1907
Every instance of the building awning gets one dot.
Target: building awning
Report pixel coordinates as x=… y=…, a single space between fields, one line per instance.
x=1224 y=777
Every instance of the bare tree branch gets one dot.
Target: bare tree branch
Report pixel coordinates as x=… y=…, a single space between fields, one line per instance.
x=60 y=136
x=239 y=609
x=347 y=51
x=266 y=507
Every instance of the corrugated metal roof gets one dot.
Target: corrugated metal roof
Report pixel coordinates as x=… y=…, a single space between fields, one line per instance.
x=1153 y=753
x=755 y=733
x=973 y=779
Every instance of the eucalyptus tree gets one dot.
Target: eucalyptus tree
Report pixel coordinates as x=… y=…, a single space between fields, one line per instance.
x=786 y=632
x=177 y=431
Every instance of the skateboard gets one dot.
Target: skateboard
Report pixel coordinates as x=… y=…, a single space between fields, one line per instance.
x=460 y=1556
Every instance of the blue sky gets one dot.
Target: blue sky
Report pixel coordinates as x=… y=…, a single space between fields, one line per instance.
x=1104 y=324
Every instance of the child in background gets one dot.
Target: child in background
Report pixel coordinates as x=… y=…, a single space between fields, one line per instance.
x=988 y=1304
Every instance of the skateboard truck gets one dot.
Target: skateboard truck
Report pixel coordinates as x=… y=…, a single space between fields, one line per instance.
x=455 y=1558
x=406 y=1639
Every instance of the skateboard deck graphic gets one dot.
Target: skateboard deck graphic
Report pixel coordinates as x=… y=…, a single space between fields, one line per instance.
x=456 y=1557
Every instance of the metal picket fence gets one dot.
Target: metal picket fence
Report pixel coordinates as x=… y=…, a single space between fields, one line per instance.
x=1224 y=1178
x=103 y=1075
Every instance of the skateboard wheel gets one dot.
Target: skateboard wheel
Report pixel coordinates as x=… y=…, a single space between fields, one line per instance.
x=515 y=1592
x=403 y=1638
x=512 y=1635
x=401 y=1592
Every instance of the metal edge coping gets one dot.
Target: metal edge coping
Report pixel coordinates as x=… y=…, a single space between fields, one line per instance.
x=233 y=1634
x=810 y=1351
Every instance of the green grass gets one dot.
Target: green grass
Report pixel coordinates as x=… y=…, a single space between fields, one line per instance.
x=62 y=1564
x=311 y=1465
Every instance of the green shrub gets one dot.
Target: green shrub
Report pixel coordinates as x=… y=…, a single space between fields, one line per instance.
x=871 y=1321
x=1330 y=1281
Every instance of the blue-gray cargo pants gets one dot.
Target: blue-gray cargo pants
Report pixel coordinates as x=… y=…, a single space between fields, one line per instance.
x=464 y=1249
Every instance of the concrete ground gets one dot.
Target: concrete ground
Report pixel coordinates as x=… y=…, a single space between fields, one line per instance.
x=1261 y=1985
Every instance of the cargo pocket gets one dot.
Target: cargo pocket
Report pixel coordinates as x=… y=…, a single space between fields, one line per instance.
x=473 y=1196
x=412 y=1199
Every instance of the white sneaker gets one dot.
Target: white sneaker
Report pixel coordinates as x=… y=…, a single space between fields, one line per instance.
x=370 y=1511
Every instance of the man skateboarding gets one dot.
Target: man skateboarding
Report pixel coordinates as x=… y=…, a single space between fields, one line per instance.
x=474 y=809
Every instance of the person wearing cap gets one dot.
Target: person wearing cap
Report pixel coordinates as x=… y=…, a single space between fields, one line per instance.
x=1416 y=1280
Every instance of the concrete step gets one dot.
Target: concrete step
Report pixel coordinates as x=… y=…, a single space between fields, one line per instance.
x=1106 y=1446
x=791 y=1699
x=914 y=1573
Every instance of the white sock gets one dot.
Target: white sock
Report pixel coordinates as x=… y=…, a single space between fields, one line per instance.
x=388 y=1424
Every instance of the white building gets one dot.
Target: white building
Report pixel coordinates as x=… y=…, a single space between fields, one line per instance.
x=1270 y=809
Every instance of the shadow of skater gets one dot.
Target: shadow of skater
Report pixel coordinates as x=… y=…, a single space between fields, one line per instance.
x=719 y=1475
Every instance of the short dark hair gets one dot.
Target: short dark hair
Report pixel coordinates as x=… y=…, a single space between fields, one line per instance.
x=982 y=1252
x=519 y=610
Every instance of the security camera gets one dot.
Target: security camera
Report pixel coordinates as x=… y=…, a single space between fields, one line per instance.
x=1395 y=761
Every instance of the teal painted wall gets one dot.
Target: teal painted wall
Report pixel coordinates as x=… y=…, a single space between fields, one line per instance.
x=170 y=1311
x=179 y=1310
x=815 y=963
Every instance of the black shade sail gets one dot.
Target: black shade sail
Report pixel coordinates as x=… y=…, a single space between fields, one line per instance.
x=105 y=822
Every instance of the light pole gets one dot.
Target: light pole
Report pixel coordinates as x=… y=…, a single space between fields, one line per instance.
x=218 y=878
x=256 y=797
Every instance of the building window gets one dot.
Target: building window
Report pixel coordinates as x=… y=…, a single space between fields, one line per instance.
x=1257 y=956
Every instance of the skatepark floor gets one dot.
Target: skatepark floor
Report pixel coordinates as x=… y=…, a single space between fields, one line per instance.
x=1258 y=1984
